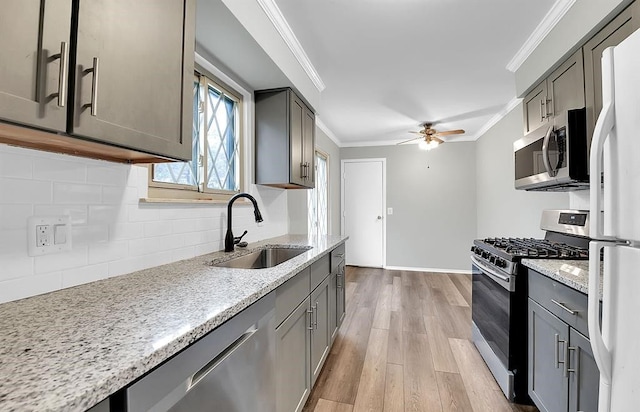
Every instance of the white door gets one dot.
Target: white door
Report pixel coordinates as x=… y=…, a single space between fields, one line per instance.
x=363 y=204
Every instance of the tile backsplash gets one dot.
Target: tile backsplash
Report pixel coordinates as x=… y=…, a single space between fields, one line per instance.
x=113 y=233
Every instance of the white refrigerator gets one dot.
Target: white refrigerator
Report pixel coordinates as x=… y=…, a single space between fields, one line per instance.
x=615 y=228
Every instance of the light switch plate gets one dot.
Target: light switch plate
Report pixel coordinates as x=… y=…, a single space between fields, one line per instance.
x=48 y=234
x=389 y=211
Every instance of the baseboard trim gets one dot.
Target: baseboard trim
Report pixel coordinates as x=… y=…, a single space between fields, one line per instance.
x=437 y=270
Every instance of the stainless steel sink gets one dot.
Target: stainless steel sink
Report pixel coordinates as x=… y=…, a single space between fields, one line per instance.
x=261 y=259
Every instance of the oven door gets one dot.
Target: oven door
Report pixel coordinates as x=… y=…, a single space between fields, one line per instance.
x=492 y=295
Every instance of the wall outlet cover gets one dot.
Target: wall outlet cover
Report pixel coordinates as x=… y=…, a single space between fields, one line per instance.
x=48 y=234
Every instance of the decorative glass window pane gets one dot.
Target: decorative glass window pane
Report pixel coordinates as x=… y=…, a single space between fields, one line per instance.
x=184 y=173
x=222 y=141
x=317 y=200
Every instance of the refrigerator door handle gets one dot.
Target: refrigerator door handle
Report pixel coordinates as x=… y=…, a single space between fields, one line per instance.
x=601 y=353
x=604 y=126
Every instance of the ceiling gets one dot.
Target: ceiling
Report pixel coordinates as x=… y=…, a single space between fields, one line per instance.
x=391 y=65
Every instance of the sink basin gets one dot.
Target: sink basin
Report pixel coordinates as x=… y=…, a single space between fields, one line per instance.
x=261 y=259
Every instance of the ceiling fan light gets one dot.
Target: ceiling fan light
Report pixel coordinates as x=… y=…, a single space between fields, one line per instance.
x=424 y=145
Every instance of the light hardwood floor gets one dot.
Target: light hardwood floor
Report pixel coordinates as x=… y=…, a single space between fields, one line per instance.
x=405 y=346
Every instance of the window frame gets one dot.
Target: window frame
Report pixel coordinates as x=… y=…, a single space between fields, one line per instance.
x=160 y=191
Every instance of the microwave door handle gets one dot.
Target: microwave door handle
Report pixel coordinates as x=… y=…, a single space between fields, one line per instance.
x=545 y=152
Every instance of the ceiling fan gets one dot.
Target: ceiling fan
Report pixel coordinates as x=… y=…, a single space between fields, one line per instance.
x=431 y=137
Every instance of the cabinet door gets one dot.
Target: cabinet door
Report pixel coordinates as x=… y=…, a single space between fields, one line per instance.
x=584 y=376
x=611 y=35
x=548 y=335
x=134 y=74
x=29 y=70
x=309 y=143
x=320 y=335
x=565 y=86
x=534 y=107
x=296 y=144
x=333 y=302
x=341 y=295
x=293 y=360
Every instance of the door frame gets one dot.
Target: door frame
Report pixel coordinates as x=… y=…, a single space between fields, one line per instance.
x=384 y=200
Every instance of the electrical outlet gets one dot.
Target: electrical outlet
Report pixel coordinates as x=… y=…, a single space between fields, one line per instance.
x=48 y=234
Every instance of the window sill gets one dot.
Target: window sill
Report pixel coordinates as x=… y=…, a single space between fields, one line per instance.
x=189 y=201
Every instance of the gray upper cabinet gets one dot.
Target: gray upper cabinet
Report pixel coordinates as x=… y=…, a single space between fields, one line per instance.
x=534 y=107
x=285 y=140
x=134 y=75
x=33 y=83
x=611 y=35
x=565 y=86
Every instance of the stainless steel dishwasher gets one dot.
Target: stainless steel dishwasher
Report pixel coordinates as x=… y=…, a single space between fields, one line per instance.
x=231 y=369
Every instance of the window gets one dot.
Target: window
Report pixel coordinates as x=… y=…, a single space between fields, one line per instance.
x=317 y=199
x=215 y=170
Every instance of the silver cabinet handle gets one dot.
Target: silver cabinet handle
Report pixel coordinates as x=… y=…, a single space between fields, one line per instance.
x=62 y=74
x=315 y=311
x=310 y=312
x=94 y=86
x=546 y=108
x=562 y=306
x=556 y=351
x=541 y=110
x=302 y=171
x=568 y=370
x=340 y=255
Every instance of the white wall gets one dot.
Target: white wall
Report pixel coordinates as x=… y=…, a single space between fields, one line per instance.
x=433 y=199
x=113 y=233
x=501 y=209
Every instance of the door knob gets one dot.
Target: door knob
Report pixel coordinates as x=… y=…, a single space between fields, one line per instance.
x=379 y=217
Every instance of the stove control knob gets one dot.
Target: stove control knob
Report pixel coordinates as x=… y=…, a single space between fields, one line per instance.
x=501 y=263
x=493 y=259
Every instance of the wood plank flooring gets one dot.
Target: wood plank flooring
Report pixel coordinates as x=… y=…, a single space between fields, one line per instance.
x=405 y=346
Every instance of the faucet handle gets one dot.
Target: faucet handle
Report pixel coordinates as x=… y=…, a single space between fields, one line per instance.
x=237 y=240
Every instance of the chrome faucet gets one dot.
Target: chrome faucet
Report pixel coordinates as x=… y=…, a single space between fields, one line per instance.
x=229 y=240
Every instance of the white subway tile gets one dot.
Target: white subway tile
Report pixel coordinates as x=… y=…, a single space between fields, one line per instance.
x=86 y=234
x=13 y=241
x=134 y=264
x=155 y=229
x=206 y=248
x=59 y=170
x=111 y=175
x=76 y=193
x=183 y=253
x=15 y=265
x=108 y=251
x=60 y=261
x=16 y=165
x=29 y=286
x=126 y=231
x=155 y=244
x=85 y=274
x=78 y=213
x=14 y=217
x=120 y=195
x=142 y=176
x=24 y=191
x=107 y=214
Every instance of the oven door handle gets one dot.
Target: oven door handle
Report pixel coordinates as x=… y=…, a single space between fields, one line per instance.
x=502 y=280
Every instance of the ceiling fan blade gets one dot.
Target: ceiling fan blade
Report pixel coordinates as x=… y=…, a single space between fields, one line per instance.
x=449 y=132
x=436 y=139
x=420 y=132
x=410 y=140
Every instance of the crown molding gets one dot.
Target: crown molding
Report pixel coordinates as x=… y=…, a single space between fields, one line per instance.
x=272 y=11
x=513 y=103
x=328 y=132
x=549 y=21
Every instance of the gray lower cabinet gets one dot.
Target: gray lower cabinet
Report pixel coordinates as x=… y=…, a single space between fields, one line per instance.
x=563 y=375
x=285 y=140
x=293 y=360
x=33 y=83
x=320 y=333
x=340 y=294
x=333 y=305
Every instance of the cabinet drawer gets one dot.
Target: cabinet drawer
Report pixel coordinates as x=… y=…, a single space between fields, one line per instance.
x=337 y=256
x=291 y=293
x=319 y=271
x=553 y=296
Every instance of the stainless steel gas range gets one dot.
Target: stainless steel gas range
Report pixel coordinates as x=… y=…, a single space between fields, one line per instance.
x=499 y=293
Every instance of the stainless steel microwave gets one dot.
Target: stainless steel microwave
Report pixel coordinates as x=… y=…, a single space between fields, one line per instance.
x=554 y=157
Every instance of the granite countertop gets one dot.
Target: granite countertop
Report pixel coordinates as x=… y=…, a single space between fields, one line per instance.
x=70 y=349
x=573 y=273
